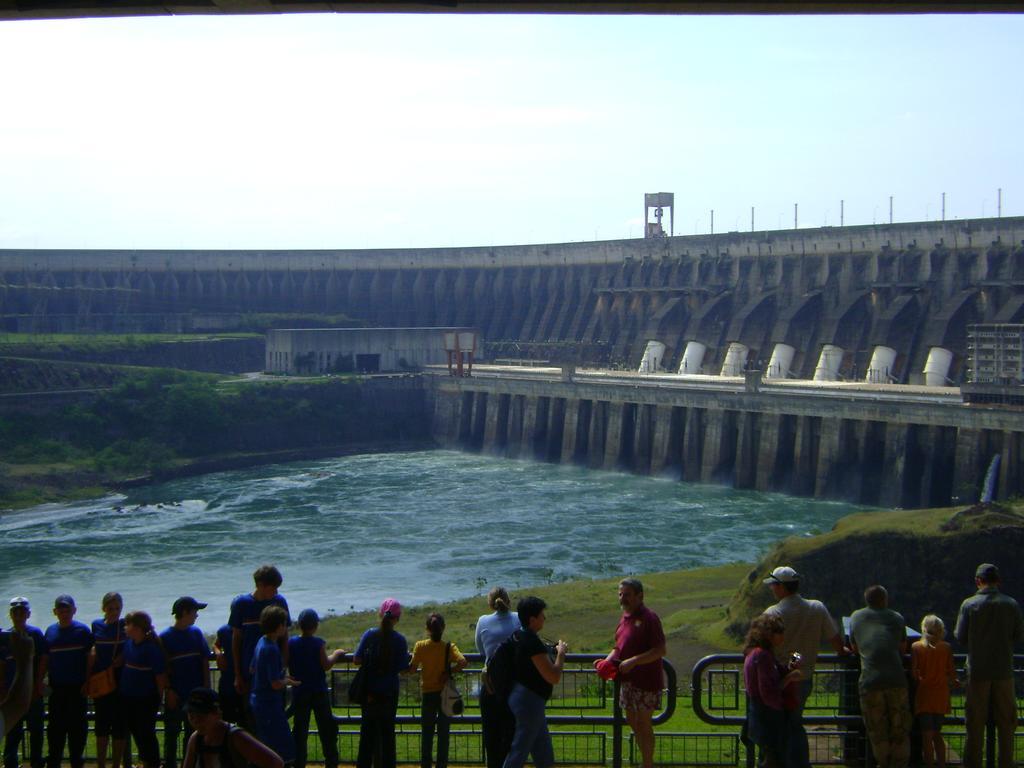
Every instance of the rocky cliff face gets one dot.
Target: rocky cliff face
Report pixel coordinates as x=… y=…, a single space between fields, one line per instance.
x=927 y=570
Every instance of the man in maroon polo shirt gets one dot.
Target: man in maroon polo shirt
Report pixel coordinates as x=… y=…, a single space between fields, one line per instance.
x=639 y=647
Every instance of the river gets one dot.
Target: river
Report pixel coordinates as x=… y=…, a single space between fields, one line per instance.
x=345 y=532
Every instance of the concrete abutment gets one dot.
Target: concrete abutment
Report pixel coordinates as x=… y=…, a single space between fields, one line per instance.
x=892 y=456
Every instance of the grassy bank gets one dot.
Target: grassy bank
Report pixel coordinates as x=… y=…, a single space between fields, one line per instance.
x=690 y=602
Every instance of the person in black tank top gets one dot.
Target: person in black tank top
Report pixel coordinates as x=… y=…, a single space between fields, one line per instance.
x=217 y=744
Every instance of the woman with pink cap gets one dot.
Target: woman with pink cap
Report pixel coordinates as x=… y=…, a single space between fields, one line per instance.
x=383 y=653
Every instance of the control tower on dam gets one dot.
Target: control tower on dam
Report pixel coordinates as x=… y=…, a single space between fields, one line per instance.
x=831 y=303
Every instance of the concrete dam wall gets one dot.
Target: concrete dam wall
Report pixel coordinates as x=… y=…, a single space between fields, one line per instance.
x=869 y=447
x=906 y=287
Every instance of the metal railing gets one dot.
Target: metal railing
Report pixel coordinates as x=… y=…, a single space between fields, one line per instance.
x=580 y=699
x=832 y=713
x=583 y=713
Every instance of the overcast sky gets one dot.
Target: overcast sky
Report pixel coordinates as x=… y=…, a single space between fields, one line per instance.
x=344 y=131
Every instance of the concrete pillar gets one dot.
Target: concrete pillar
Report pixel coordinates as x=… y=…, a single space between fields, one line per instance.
x=614 y=436
x=931 y=447
x=746 y=460
x=660 y=438
x=465 y=435
x=712 y=444
x=966 y=478
x=893 y=465
x=829 y=448
x=529 y=433
x=569 y=429
x=556 y=429
x=693 y=444
x=447 y=418
x=805 y=456
x=540 y=434
x=1008 y=481
x=768 y=452
x=598 y=434
x=478 y=429
x=490 y=443
x=514 y=437
x=643 y=435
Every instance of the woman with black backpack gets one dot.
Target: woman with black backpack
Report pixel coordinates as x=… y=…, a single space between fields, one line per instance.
x=535 y=678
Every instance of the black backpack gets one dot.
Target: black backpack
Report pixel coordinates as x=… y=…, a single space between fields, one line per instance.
x=500 y=673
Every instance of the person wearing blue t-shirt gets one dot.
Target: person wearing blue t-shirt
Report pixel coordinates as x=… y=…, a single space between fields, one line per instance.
x=269 y=680
x=245 y=624
x=385 y=654
x=109 y=636
x=230 y=703
x=143 y=681
x=308 y=662
x=188 y=667
x=33 y=719
x=69 y=643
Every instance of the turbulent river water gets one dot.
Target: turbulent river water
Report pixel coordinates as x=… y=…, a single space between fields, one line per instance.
x=346 y=532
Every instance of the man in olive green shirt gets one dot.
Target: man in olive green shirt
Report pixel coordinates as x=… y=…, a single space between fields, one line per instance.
x=878 y=635
x=988 y=626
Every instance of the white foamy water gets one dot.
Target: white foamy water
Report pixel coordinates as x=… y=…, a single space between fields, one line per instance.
x=347 y=532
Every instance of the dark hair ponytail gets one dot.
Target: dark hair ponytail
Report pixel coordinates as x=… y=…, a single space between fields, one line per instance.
x=387 y=628
x=435 y=626
x=499 y=600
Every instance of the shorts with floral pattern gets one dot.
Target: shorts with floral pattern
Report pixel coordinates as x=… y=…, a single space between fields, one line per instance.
x=633 y=698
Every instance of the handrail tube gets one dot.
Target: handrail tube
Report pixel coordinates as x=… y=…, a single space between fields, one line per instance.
x=697 y=704
x=615 y=718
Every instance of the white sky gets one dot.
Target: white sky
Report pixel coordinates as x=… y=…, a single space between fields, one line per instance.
x=343 y=131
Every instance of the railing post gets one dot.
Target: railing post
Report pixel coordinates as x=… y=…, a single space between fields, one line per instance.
x=616 y=728
x=990 y=740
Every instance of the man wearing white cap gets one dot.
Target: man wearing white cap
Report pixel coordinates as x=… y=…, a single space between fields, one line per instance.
x=808 y=626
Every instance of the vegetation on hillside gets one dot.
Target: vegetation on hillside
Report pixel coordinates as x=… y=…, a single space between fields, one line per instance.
x=156 y=419
x=925 y=558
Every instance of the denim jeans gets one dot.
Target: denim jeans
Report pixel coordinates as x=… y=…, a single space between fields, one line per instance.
x=319 y=704
x=798 y=754
x=272 y=725
x=531 y=736
x=431 y=714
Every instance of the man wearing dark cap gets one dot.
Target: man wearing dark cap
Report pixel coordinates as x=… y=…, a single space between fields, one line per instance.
x=69 y=643
x=188 y=667
x=809 y=625
x=988 y=626
x=20 y=612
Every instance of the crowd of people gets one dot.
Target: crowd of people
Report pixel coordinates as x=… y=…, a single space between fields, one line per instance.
x=131 y=672
x=782 y=646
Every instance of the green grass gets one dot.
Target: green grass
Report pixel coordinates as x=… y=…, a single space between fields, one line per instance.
x=584 y=613
x=104 y=341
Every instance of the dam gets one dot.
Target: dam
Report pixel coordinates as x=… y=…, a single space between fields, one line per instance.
x=876 y=305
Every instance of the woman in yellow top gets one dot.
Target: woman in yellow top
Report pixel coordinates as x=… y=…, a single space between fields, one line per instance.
x=429 y=655
x=931 y=664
